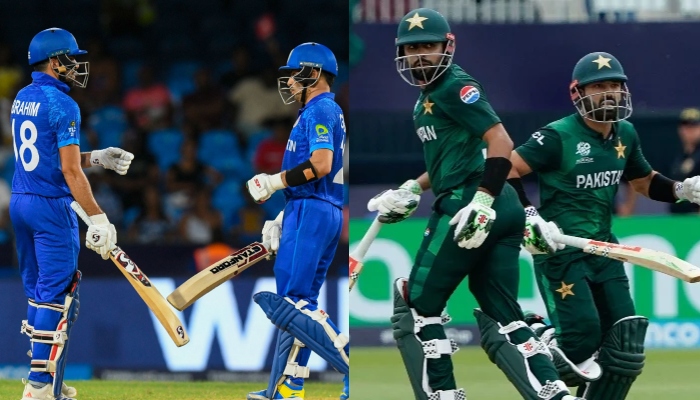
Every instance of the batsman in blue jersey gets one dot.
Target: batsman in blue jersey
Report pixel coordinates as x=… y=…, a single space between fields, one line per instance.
x=305 y=234
x=48 y=176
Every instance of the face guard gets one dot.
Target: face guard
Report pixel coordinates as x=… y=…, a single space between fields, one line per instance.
x=607 y=106
x=72 y=72
x=417 y=70
x=303 y=81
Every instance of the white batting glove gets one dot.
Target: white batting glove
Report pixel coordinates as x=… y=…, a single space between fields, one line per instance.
x=689 y=190
x=272 y=231
x=539 y=234
x=474 y=221
x=112 y=158
x=101 y=235
x=395 y=205
x=262 y=186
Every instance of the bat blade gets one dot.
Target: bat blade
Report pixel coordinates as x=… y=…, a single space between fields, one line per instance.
x=214 y=275
x=643 y=257
x=140 y=282
x=356 y=260
x=151 y=296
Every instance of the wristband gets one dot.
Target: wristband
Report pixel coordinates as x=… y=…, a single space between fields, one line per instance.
x=662 y=189
x=517 y=184
x=301 y=174
x=495 y=174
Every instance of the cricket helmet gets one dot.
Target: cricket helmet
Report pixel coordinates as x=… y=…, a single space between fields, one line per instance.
x=305 y=58
x=59 y=43
x=423 y=25
x=600 y=67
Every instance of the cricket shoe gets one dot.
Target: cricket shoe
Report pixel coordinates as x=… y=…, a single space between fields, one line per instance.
x=46 y=392
x=286 y=390
x=346 y=388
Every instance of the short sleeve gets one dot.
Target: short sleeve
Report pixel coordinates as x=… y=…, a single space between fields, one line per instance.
x=542 y=151
x=637 y=165
x=320 y=127
x=65 y=120
x=465 y=102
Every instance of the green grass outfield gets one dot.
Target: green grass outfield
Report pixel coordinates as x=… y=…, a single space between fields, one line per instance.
x=130 y=390
x=378 y=373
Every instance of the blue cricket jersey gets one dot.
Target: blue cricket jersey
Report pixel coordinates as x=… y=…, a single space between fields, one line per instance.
x=320 y=125
x=43 y=119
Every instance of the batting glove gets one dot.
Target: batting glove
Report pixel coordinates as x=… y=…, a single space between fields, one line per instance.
x=112 y=158
x=396 y=205
x=474 y=221
x=689 y=190
x=272 y=231
x=539 y=234
x=262 y=186
x=101 y=235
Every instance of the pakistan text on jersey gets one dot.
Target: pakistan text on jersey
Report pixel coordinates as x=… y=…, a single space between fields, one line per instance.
x=30 y=108
x=598 y=179
x=426 y=133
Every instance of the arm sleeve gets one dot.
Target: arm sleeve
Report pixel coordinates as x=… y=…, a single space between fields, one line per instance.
x=320 y=128
x=65 y=120
x=542 y=151
x=465 y=102
x=637 y=165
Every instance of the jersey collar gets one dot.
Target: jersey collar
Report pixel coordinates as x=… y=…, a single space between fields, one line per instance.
x=43 y=79
x=324 y=95
x=595 y=134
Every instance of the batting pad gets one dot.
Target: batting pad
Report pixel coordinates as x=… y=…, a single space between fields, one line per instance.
x=284 y=362
x=309 y=327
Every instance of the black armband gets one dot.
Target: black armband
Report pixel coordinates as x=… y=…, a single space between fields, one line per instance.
x=495 y=174
x=662 y=189
x=301 y=174
x=517 y=184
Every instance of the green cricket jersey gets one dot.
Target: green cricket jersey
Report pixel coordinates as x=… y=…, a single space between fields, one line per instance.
x=579 y=172
x=450 y=116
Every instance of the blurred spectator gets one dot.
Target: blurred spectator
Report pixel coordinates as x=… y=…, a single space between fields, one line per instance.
x=151 y=225
x=105 y=75
x=687 y=164
x=201 y=223
x=149 y=105
x=251 y=220
x=143 y=172
x=256 y=99
x=184 y=178
x=105 y=196
x=10 y=82
x=5 y=223
x=240 y=63
x=125 y=17
x=208 y=255
x=270 y=152
x=203 y=109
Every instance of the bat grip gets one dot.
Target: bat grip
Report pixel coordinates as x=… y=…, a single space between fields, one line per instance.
x=81 y=213
x=572 y=241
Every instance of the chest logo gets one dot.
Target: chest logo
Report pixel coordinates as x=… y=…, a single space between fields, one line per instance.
x=583 y=149
x=620 y=148
x=427 y=107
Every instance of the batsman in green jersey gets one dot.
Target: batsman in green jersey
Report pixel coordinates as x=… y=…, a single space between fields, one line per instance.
x=597 y=339
x=475 y=229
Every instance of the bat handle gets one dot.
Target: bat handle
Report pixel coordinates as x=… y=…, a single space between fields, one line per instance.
x=572 y=241
x=83 y=215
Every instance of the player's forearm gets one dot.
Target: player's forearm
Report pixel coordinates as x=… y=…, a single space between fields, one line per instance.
x=80 y=189
x=424 y=181
x=85 y=160
x=497 y=165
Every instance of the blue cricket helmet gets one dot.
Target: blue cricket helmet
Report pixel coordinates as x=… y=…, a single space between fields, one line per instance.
x=313 y=55
x=52 y=42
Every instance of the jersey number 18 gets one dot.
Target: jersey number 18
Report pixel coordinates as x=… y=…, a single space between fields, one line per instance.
x=27 y=144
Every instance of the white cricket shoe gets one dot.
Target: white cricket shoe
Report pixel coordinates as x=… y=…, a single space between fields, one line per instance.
x=46 y=393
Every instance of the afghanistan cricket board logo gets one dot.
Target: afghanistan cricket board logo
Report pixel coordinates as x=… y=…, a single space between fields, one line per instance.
x=130 y=267
x=242 y=257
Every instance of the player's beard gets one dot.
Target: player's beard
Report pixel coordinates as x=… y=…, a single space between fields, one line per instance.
x=607 y=110
x=423 y=70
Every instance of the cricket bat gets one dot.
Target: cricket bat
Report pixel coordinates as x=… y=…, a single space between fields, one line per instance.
x=651 y=259
x=149 y=294
x=214 y=275
x=358 y=255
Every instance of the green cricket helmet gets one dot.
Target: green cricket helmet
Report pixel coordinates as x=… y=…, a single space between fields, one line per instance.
x=423 y=25
x=612 y=105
